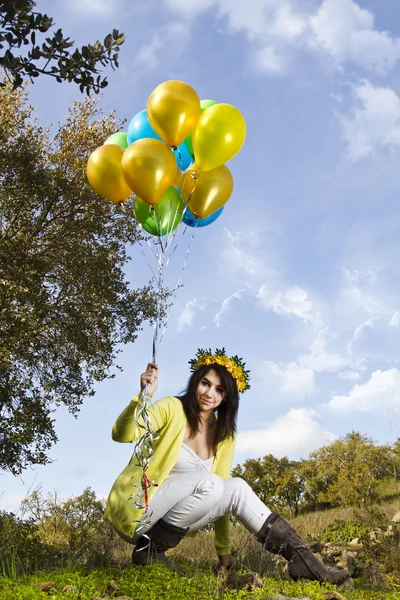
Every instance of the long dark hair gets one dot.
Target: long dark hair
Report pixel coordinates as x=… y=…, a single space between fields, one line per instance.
x=227 y=411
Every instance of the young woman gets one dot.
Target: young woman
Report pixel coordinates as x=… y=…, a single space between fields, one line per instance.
x=193 y=451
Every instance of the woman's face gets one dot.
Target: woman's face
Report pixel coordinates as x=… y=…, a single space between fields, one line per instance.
x=210 y=392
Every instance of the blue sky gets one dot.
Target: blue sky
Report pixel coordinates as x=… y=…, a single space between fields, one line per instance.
x=300 y=275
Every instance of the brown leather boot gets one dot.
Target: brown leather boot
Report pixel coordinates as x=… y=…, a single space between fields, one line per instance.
x=279 y=537
x=151 y=547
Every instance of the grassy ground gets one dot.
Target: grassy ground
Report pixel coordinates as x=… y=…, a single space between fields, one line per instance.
x=198 y=556
x=157 y=583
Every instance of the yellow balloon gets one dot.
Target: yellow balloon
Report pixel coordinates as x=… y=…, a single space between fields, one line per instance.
x=220 y=133
x=173 y=109
x=178 y=179
x=104 y=173
x=206 y=192
x=149 y=167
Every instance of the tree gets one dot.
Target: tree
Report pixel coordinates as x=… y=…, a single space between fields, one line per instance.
x=316 y=482
x=55 y=55
x=349 y=470
x=65 y=303
x=75 y=526
x=276 y=481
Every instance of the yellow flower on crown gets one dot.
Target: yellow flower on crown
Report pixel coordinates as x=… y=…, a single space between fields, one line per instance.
x=234 y=365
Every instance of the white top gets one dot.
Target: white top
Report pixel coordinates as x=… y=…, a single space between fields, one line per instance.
x=188 y=461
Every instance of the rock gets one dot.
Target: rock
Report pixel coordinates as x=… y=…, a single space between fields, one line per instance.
x=111 y=588
x=70 y=588
x=375 y=535
x=122 y=598
x=329 y=559
x=396 y=517
x=316 y=546
x=47 y=586
x=96 y=598
x=341 y=563
x=334 y=596
x=280 y=597
x=355 y=542
x=238 y=581
x=347 y=561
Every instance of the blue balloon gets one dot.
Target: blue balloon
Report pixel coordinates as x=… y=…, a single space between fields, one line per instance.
x=140 y=128
x=190 y=220
x=183 y=157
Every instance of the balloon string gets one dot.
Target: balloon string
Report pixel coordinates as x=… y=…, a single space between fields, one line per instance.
x=196 y=175
x=178 y=152
x=141 y=458
x=179 y=280
x=143 y=450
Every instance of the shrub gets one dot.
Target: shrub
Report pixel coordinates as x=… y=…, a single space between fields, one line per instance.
x=21 y=548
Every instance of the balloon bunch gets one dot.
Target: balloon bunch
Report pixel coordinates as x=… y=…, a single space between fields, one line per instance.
x=172 y=158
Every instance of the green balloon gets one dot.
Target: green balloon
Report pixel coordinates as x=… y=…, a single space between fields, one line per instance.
x=119 y=139
x=142 y=210
x=161 y=218
x=206 y=104
x=203 y=105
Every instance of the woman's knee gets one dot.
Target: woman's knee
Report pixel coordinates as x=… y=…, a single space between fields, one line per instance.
x=238 y=486
x=212 y=486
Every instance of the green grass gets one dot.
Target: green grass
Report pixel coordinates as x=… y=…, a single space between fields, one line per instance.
x=197 y=554
x=158 y=583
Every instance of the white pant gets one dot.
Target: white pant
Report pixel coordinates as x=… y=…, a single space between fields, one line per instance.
x=195 y=499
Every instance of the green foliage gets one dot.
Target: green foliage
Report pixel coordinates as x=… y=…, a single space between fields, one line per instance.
x=75 y=527
x=21 y=546
x=56 y=524
x=347 y=472
x=350 y=469
x=65 y=303
x=54 y=55
x=276 y=481
x=157 y=583
x=342 y=532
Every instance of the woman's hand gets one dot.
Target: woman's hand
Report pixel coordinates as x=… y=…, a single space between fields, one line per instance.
x=226 y=563
x=150 y=378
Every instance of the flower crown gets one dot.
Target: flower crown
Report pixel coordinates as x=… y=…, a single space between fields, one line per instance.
x=234 y=365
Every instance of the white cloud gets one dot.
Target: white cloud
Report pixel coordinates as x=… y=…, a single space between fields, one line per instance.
x=226 y=304
x=267 y=59
x=188 y=7
x=359 y=298
x=381 y=392
x=326 y=355
x=374 y=123
x=350 y=375
x=347 y=32
x=161 y=45
x=292 y=301
x=395 y=320
x=358 y=332
x=95 y=8
x=286 y=379
x=377 y=340
x=264 y=20
x=274 y=28
x=295 y=434
x=268 y=25
x=191 y=311
x=241 y=254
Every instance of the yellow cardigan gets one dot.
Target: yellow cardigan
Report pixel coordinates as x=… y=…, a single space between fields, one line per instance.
x=168 y=418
